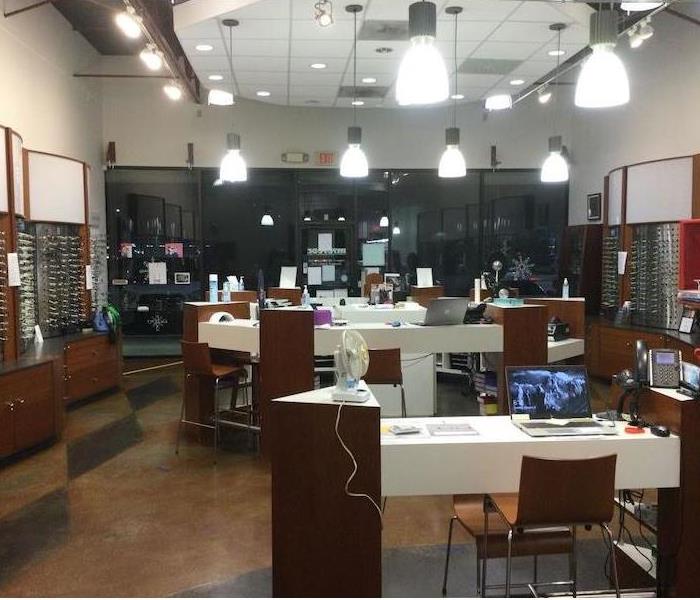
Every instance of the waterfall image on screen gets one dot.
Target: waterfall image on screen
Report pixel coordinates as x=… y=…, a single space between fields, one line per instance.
x=561 y=392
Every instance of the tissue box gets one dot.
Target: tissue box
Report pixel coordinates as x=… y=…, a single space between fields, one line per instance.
x=323 y=316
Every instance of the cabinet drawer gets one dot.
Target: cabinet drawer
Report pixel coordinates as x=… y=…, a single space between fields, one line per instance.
x=86 y=382
x=85 y=353
x=35 y=418
x=37 y=379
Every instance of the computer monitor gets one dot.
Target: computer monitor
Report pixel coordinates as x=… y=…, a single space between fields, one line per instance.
x=690 y=377
x=559 y=392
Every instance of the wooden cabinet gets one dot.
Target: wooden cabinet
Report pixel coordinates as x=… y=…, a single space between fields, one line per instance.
x=91 y=365
x=28 y=413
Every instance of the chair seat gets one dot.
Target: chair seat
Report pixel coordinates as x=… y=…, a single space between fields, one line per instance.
x=221 y=371
x=469 y=510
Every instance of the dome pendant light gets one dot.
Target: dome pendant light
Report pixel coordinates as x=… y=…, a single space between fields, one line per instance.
x=603 y=80
x=555 y=169
x=233 y=167
x=267 y=220
x=384 y=221
x=354 y=161
x=452 y=163
x=422 y=75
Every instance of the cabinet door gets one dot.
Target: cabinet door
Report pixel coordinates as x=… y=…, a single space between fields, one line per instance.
x=617 y=348
x=34 y=416
x=7 y=427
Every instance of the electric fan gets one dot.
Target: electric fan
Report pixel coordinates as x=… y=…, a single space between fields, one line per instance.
x=351 y=362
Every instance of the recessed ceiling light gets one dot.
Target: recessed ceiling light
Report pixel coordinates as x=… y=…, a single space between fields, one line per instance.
x=358 y=103
x=383 y=50
x=318 y=65
x=369 y=80
x=216 y=77
x=262 y=93
x=517 y=81
x=457 y=96
x=204 y=47
x=556 y=52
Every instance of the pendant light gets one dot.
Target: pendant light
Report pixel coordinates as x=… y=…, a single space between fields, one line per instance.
x=233 y=167
x=396 y=230
x=422 y=77
x=354 y=161
x=555 y=169
x=267 y=220
x=452 y=163
x=603 y=79
x=384 y=221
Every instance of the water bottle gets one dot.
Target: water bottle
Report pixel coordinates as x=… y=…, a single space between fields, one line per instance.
x=213 y=287
x=565 y=289
x=227 y=291
x=305 y=297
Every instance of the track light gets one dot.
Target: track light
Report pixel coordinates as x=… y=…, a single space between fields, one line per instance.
x=544 y=95
x=129 y=23
x=555 y=169
x=151 y=57
x=422 y=77
x=267 y=220
x=233 y=168
x=323 y=13
x=499 y=102
x=640 y=33
x=173 y=90
x=603 y=79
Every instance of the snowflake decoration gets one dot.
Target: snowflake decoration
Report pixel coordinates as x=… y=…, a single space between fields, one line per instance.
x=521 y=270
x=157 y=322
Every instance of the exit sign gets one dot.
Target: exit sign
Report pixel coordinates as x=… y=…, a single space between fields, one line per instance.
x=325 y=159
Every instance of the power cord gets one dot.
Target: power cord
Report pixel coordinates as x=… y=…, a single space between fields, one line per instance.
x=354 y=470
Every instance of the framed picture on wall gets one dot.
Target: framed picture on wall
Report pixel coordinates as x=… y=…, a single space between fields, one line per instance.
x=594 y=206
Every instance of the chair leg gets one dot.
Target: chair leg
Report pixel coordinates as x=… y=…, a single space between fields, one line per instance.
x=534 y=568
x=182 y=418
x=384 y=503
x=478 y=572
x=613 y=559
x=485 y=557
x=216 y=419
x=509 y=560
x=403 y=401
x=572 y=561
x=447 y=556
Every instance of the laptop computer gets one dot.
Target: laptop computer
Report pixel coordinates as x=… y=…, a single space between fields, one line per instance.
x=445 y=311
x=552 y=401
x=690 y=379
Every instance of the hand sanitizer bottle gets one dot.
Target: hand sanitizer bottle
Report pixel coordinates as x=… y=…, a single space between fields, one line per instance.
x=227 y=291
x=565 y=288
x=305 y=297
x=241 y=285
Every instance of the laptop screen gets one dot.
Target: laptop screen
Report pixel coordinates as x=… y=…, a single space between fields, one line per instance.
x=548 y=392
x=690 y=376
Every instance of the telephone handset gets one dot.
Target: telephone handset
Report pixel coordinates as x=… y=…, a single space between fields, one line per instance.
x=641 y=363
x=664 y=368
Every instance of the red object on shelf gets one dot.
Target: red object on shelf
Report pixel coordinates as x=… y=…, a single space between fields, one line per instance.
x=689 y=255
x=697 y=354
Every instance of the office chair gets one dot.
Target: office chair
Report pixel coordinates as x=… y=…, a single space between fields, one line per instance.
x=197 y=362
x=385 y=369
x=577 y=493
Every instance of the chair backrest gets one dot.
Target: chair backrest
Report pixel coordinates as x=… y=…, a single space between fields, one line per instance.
x=196 y=358
x=370 y=280
x=291 y=294
x=563 y=492
x=384 y=367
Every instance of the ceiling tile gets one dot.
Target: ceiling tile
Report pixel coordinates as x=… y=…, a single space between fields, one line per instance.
x=395 y=10
x=265 y=78
x=307 y=29
x=464 y=49
x=259 y=63
x=468 y=81
x=569 y=51
x=260 y=47
x=466 y=30
x=376 y=65
x=276 y=91
x=315 y=79
x=260 y=29
x=210 y=63
x=543 y=12
x=368 y=49
x=506 y=50
x=522 y=32
x=319 y=49
x=262 y=9
x=304 y=100
x=483 y=10
x=204 y=30
x=218 y=49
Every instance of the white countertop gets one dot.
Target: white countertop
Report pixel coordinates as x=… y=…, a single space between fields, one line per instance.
x=324 y=396
x=565 y=349
x=421 y=464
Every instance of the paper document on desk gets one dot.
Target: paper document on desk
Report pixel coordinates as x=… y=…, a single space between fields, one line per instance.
x=438 y=429
x=424 y=276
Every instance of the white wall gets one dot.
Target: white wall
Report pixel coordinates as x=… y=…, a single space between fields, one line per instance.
x=662 y=119
x=41 y=100
x=150 y=130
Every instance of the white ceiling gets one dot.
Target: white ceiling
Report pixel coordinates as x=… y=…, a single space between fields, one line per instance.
x=277 y=40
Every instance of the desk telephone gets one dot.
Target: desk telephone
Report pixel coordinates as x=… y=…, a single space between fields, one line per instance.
x=664 y=368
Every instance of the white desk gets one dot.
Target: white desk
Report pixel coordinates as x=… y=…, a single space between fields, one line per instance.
x=372 y=314
x=421 y=464
x=565 y=349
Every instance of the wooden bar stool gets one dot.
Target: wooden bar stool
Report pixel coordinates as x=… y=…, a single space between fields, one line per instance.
x=197 y=362
x=556 y=493
x=385 y=369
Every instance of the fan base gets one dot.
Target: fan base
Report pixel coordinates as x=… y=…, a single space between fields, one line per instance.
x=357 y=396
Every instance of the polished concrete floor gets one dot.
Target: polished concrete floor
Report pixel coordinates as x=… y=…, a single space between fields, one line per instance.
x=109 y=510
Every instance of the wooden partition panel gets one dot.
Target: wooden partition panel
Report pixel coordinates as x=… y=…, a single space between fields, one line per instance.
x=286 y=359
x=524 y=341
x=194 y=314
x=572 y=312
x=324 y=542
x=293 y=295
x=423 y=295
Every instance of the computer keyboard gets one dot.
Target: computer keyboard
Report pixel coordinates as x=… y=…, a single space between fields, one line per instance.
x=550 y=425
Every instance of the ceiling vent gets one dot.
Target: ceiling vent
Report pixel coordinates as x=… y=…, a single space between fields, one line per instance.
x=384 y=31
x=488 y=66
x=374 y=91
